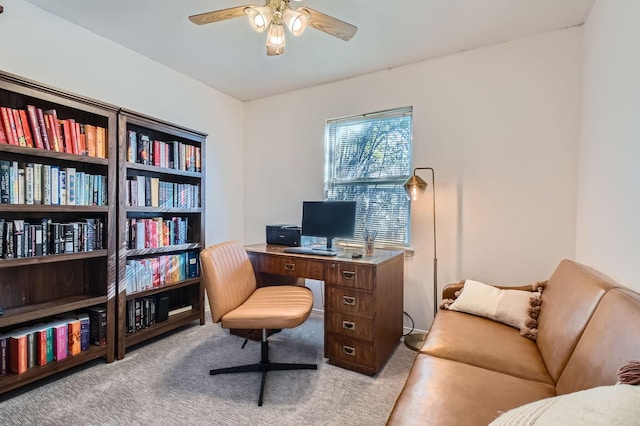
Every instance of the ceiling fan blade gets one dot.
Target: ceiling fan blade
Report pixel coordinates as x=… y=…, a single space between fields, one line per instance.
x=330 y=25
x=219 y=15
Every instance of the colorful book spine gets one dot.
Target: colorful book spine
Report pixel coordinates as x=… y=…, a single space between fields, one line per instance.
x=60 y=339
x=18 y=352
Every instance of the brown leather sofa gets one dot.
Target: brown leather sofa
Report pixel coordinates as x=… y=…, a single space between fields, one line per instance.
x=471 y=369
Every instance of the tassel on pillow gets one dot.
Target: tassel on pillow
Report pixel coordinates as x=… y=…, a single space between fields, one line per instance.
x=629 y=374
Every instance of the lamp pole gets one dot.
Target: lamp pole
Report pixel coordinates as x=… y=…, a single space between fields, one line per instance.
x=413 y=184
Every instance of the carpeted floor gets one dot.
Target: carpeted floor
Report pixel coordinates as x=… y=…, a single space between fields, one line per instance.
x=167 y=382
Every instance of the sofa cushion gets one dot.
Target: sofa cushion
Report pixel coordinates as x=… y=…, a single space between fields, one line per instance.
x=560 y=326
x=485 y=343
x=604 y=405
x=516 y=308
x=610 y=340
x=445 y=392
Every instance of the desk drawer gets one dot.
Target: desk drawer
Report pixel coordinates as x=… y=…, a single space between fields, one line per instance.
x=350 y=301
x=350 y=350
x=352 y=326
x=294 y=267
x=350 y=275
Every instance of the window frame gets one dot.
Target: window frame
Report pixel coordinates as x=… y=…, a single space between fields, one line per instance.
x=393 y=183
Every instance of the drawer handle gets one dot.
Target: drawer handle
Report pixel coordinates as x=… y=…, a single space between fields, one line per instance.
x=348 y=275
x=349 y=325
x=348 y=300
x=349 y=350
x=290 y=266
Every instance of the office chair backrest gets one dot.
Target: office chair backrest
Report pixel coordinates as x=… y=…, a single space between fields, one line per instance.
x=228 y=277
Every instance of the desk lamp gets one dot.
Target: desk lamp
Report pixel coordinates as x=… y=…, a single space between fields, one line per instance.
x=414 y=187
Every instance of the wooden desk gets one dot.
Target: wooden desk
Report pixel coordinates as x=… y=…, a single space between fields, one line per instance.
x=363 y=300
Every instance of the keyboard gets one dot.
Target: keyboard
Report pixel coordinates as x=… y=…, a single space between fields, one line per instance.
x=311 y=250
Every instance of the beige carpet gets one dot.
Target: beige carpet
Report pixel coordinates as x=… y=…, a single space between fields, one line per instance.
x=167 y=382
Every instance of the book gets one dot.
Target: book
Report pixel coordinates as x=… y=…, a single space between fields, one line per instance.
x=4 y=354
x=35 y=127
x=55 y=185
x=28 y=183
x=18 y=352
x=101 y=142
x=60 y=339
x=73 y=333
x=25 y=128
x=43 y=129
x=90 y=135
x=70 y=173
x=192 y=261
x=55 y=129
x=9 y=126
x=180 y=309
x=46 y=184
x=37 y=183
x=21 y=179
x=62 y=186
x=5 y=181
x=85 y=332
x=17 y=123
x=98 y=325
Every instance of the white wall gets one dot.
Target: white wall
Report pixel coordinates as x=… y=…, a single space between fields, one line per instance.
x=42 y=47
x=499 y=125
x=608 y=221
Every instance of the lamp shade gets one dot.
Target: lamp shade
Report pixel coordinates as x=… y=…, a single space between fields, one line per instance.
x=260 y=18
x=275 y=40
x=295 y=21
x=414 y=187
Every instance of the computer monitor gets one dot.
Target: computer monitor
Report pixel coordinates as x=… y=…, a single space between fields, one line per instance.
x=329 y=219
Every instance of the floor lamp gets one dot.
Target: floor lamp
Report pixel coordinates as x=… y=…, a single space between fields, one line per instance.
x=414 y=187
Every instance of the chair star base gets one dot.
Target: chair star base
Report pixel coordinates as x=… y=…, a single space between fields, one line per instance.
x=263 y=366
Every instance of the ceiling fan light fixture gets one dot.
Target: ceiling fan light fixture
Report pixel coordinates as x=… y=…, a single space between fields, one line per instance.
x=260 y=18
x=275 y=36
x=296 y=22
x=275 y=39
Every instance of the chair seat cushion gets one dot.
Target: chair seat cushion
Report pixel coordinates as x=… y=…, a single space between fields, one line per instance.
x=283 y=306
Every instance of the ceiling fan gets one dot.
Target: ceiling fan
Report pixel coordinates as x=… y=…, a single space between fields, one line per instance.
x=274 y=15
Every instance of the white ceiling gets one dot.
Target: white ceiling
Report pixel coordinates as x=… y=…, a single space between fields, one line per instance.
x=230 y=56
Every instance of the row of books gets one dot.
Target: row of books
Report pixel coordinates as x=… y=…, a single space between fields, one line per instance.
x=146 y=311
x=152 y=192
x=152 y=272
x=176 y=155
x=52 y=341
x=35 y=183
x=156 y=232
x=37 y=128
x=41 y=237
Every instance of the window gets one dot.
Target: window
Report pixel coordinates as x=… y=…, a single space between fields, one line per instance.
x=367 y=159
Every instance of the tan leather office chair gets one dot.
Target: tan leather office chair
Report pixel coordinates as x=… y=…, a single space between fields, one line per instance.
x=236 y=302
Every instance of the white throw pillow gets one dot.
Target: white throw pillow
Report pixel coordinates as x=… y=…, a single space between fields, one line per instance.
x=512 y=307
x=617 y=405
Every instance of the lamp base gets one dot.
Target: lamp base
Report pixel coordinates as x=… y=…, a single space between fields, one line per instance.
x=415 y=341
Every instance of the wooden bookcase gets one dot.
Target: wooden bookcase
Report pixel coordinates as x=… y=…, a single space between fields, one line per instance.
x=39 y=288
x=157 y=198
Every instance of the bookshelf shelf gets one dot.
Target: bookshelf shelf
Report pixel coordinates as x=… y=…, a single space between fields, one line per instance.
x=46 y=154
x=174 y=321
x=161 y=227
x=51 y=258
x=164 y=288
x=13 y=381
x=163 y=170
x=57 y=221
x=35 y=311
